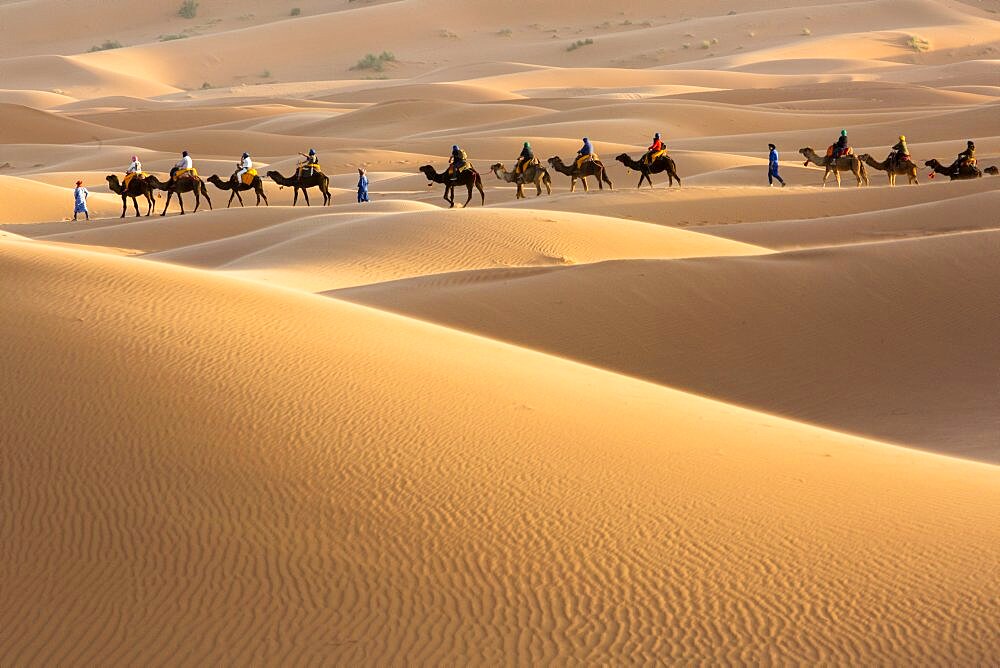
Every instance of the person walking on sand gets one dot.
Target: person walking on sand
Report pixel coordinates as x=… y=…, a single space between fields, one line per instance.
x=80 y=195
x=772 y=167
x=362 y=185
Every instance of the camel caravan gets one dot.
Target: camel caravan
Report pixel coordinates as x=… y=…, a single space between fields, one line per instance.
x=527 y=170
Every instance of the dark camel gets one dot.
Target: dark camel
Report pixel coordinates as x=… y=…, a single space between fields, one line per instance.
x=847 y=163
x=589 y=168
x=304 y=183
x=256 y=185
x=136 y=187
x=185 y=184
x=533 y=173
x=893 y=168
x=467 y=178
x=664 y=163
x=961 y=173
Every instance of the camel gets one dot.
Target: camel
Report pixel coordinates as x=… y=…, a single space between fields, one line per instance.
x=304 y=183
x=256 y=185
x=663 y=163
x=589 y=168
x=533 y=173
x=892 y=168
x=467 y=178
x=845 y=163
x=961 y=173
x=182 y=185
x=137 y=186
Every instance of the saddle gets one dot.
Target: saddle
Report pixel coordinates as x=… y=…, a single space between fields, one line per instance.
x=847 y=151
x=656 y=154
x=584 y=158
x=185 y=174
x=129 y=177
x=249 y=177
x=303 y=167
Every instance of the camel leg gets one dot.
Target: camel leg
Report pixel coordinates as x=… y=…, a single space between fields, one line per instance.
x=125 y=205
x=180 y=200
x=586 y=188
x=327 y=196
x=170 y=193
x=295 y=199
x=135 y=204
x=305 y=193
x=149 y=203
x=197 y=199
x=470 y=196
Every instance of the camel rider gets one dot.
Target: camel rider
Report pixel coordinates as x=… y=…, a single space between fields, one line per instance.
x=310 y=165
x=966 y=158
x=900 y=153
x=133 y=169
x=526 y=158
x=840 y=146
x=245 y=164
x=184 y=166
x=655 y=150
x=458 y=162
x=585 y=153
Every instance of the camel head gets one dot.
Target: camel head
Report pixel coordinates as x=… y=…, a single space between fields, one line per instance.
x=623 y=158
x=991 y=170
x=555 y=161
x=429 y=172
x=497 y=167
x=215 y=180
x=809 y=155
x=932 y=163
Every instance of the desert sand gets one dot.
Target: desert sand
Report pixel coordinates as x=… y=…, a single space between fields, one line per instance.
x=714 y=423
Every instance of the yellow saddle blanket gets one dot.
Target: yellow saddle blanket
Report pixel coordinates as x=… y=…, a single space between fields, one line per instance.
x=315 y=168
x=652 y=158
x=189 y=173
x=584 y=158
x=129 y=177
x=248 y=177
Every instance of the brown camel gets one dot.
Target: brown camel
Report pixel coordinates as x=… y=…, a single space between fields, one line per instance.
x=304 y=183
x=184 y=184
x=256 y=185
x=137 y=186
x=467 y=178
x=533 y=173
x=960 y=173
x=846 y=163
x=663 y=163
x=588 y=168
x=893 y=168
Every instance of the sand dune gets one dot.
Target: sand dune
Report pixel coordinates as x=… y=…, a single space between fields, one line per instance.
x=410 y=477
x=874 y=351
x=716 y=423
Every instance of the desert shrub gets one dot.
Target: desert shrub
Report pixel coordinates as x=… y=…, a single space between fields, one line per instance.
x=918 y=43
x=807 y=32
x=579 y=44
x=107 y=45
x=296 y=11
x=189 y=9
x=206 y=86
x=505 y=32
x=172 y=37
x=375 y=62
x=705 y=44
x=266 y=74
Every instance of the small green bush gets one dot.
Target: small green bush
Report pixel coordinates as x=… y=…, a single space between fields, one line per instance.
x=107 y=46
x=579 y=44
x=505 y=32
x=172 y=37
x=918 y=43
x=189 y=9
x=296 y=11
x=375 y=62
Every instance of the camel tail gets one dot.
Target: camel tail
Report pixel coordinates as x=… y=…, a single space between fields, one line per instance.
x=479 y=187
x=864 y=173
